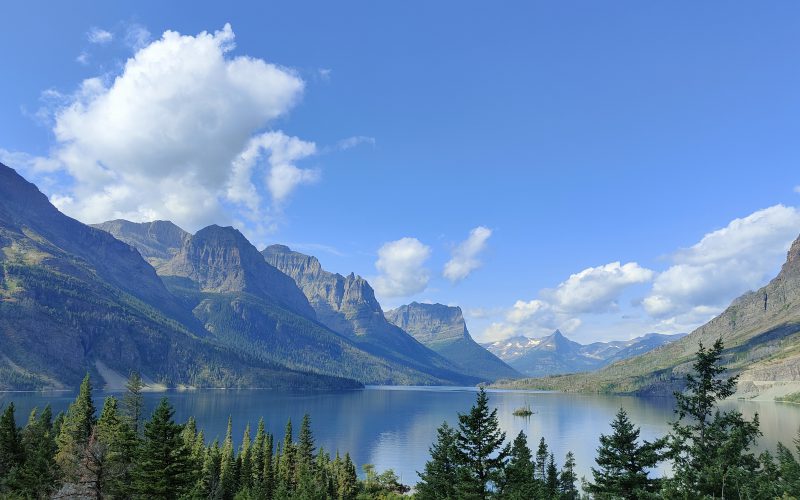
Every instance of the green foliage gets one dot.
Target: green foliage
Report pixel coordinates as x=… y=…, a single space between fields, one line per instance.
x=623 y=463
x=520 y=482
x=133 y=401
x=481 y=451
x=437 y=480
x=163 y=468
x=710 y=449
x=75 y=432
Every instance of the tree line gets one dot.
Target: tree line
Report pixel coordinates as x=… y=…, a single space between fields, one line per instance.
x=119 y=454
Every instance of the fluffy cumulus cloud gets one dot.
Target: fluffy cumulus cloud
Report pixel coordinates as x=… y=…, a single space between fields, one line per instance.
x=465 y=255
x=596 y=289
x=401 y=265
x=99 y=36
x=178 y=135
x=725 y=263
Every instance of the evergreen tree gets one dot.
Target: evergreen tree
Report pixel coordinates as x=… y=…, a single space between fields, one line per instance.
x=11 y=452
x=227 y=478
x=709 y=448
x=269 y=469
x=567 y=479
x=163 y=468
x=519 y=482
x=540 y=472
x=480 y=450
x=347 y=480
x=209 y=481
x=305 y=446
x=437 y=481
x=39 y=474
x=133 y=402
x=288 y=461
x=551 y=485
x=75 y=431
x=623 y=463
x=116 y=444
x=246 y=459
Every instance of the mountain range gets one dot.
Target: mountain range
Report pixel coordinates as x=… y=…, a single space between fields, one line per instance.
x=760 y=331
x=556 y=354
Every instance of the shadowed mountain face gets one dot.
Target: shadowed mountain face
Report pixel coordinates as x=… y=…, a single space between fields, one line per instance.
x=75 y=299
x=760 y=330
x=250 y=306
x=555 y=354
x=443 y=329
x=347 y=305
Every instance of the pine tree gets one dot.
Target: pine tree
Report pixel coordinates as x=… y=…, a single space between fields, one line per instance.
x=551 y=485
x=75 y=431
x=11 y=452
x=305 y=446
x=437 y=481
x=133 y=402
x=209 y=480
x=39 y=474
x=116 y=441
x=163 y=466
x=347 y=480
x=520 y=483
x=623 y=463
x=269 y=469
x=567 y=479
x=227 y=478
x=288 y=461
x=709 y=448
x=541 y=462
x=480 y=450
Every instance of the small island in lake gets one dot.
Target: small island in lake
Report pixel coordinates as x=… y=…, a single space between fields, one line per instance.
x=523 y=411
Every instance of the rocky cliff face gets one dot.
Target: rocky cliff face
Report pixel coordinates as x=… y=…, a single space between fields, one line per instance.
x=157 y=241
x=75 y=299
x=443 y=329
x=221 y=260
x=347 y=305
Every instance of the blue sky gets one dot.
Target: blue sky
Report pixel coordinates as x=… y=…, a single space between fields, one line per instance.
x=622 y=167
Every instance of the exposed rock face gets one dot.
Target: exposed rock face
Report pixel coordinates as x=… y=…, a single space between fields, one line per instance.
x=347 y=305
x=73 y=298
x=555 y=354
x=157 y=241
x=443 y=329
x=221 y=260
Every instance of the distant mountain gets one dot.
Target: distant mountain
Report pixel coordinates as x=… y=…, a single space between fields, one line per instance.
x=75 y=299
x=556 y=354
x=156 y=241
x=347 y=305
x=443 y=329
x=761 y=333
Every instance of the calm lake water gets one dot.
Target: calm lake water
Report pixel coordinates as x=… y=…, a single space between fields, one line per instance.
x=393 y=427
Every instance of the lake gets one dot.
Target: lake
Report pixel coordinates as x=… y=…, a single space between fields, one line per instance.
x=393 y=427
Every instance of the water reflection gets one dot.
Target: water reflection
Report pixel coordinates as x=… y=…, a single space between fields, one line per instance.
x=394 y=427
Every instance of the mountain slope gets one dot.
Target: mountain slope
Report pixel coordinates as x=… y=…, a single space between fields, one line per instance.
x=156 y=241
x=555 y=354
x=74 y=299
x=443 y=329
x=761 y=332
x=347 y=305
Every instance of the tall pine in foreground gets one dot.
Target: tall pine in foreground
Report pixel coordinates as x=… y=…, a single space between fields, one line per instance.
x=163 y=468
x=710 y=449
x=133 y=402
x=11 y=453
x=75 y=432
x=481 y=451
x=519 y=482
x=623 y=463
x=436 y=481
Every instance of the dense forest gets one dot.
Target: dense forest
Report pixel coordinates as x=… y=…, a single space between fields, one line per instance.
x=119 y=454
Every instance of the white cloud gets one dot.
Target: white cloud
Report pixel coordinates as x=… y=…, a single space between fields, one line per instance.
x=83 y=58
x=99 y=36
x=724 y=264
x=28 y=165
x=137 y=36
x=596 y=289
x=465 y=255
x=797 y=189
x=324 y=74
x=178 y=135
x=402 y=267
x=354 y=141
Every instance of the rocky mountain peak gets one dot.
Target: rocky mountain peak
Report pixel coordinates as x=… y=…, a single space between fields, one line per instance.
x=430 y=322
x=792 y=264
x=157 y=241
